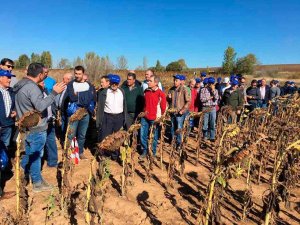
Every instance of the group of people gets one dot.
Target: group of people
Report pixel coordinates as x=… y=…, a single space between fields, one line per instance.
x=115 y=105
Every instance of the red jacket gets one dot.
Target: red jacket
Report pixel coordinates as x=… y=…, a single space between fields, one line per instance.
x=155 y=103
x=194 y=106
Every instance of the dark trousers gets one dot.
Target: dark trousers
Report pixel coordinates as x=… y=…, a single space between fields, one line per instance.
x=130 y=119
x=111 y=123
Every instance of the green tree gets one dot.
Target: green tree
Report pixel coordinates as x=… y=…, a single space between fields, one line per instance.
x=22 y=62
x=46 y=59
x=35 y=58
x=182 y=63
x=64 y=64
x=246 y=64
x=229 y=60
x=92 y=63
x=158 y=66
x=174 y=66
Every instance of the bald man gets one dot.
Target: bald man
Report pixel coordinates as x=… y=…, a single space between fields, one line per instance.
x=148 y=74
x=60 y=103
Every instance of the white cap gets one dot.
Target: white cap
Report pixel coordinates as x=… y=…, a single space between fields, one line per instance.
x=226 y=80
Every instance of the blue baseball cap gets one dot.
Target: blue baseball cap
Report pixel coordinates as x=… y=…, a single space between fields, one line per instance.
x=203 y=74
x=183 y=77
x=211 y=80
x=114 y=78
x=6 y=73
x=219 y=79
x=198 y=80
x=234 y=82
x=205 y=81
x=179 y=77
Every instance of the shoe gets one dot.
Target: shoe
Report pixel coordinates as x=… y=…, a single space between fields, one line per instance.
x=7 y=195
x=41 y=186
x=82 y=157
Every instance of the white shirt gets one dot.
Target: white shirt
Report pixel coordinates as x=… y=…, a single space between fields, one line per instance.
x=114 y=101
x=262 y=92
x=80 y=87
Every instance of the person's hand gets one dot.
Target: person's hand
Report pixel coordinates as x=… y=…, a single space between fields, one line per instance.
x=169 y=95
x=180 y=112
x=13 y=114
x=59 y=87
x=238 y=112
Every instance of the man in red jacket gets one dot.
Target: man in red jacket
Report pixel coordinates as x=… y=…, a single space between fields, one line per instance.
x=154 y=106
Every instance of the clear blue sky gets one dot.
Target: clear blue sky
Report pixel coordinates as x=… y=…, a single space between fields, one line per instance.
x=198 y=31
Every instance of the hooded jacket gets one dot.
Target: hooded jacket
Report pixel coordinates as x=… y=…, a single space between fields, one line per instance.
x=29 y=97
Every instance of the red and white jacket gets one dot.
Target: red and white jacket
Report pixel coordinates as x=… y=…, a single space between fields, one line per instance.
x=155 y=103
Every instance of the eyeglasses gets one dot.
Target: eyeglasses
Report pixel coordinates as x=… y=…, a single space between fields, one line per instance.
x=10 y=66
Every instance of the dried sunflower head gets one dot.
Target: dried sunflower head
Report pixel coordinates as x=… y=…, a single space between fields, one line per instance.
x=172 y=110
x=134 y=127
x=29 y=119
x=78 y=115
x=114 y=141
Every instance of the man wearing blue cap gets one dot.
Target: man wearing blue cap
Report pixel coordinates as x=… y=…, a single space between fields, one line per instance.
x=8 y=64
x=111 y=108
x=80 y=94
x=7 y=118
x=7 y=105
x=179 y=99
x=233 y=97
x=209 y=99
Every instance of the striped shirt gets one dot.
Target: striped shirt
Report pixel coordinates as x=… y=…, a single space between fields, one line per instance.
x=7 y=101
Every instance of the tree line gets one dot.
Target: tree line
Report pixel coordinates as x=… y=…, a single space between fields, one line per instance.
x=96 y=65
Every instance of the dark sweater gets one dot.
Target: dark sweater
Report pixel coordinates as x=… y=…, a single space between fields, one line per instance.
x=254 y=92
x=83 y=99
x=233 y=99
x=134 y=98
x=6 y=121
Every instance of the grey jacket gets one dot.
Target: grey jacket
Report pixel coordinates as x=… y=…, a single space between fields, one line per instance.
x=28 y=97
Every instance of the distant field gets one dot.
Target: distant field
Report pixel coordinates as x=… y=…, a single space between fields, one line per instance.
x=280 y=72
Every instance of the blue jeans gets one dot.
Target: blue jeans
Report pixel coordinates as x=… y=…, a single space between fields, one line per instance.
x=209 y=124
x=78 y=129
x=51 y=147
x=5 y=135
x=177 y=123
x=34 y=150
x=144 y=131
x=262 y=104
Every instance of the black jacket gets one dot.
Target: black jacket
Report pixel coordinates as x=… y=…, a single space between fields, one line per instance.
x=6 y=121
x=101 y=104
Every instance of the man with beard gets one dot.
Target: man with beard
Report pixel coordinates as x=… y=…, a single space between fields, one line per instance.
x=80 y=94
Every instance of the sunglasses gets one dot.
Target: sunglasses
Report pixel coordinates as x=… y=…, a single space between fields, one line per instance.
x=10 y=66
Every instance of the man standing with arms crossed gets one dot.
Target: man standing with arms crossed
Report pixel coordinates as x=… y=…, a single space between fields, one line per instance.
x=29 y=97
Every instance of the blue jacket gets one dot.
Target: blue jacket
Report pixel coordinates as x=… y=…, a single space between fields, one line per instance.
x=6 y=121
x=84 y=98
